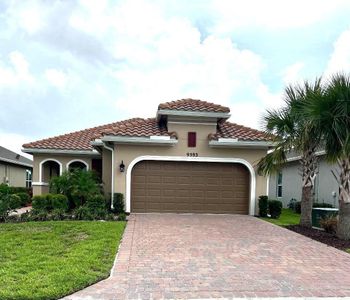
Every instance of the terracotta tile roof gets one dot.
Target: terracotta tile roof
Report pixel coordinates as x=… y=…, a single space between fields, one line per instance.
x=193 y=105
x=80 y=140
x=235 y=131
x=137 y=128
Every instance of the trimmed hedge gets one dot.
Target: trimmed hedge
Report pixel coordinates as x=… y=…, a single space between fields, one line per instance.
x=275 y=208
x=263 y=206
x=25 y=198
x=49 y=202
x=118 y=203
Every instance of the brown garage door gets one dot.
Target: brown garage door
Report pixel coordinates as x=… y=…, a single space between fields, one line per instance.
x=162 y=186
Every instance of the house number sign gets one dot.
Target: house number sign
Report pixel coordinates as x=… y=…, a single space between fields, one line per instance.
x=192 y=154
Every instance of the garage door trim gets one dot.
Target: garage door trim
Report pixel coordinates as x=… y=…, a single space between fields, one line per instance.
x=191 y=159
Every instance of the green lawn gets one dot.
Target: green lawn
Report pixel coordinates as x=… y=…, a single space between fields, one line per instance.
x=47 y=260
x=288 y=217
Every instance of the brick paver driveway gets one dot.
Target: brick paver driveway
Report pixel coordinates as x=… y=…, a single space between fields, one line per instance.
x=219 y=256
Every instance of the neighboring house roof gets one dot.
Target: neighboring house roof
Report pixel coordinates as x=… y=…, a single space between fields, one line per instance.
x=193 y=105
x=138 y=127
x=9 y=156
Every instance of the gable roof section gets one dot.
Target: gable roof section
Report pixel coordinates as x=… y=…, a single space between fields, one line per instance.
x=81 y=140
x=228 y=130
x=9 y=156
x=193 y=105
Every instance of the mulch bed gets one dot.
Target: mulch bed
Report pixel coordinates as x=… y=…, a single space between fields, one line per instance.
x=321 y=236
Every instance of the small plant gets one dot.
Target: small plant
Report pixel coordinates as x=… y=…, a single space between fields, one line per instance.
x=38 y=215
x=329 y=224
x=58 y=214
x=122 y=217
x=275 y=208
x=263 y=206
x=118 y=203
x=83 y=213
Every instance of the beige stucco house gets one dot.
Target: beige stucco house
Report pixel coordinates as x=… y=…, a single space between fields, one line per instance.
x=15 y=169
x=188 y=158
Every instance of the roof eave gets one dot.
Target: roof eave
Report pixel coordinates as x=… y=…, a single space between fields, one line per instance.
x=185 y=113
x=233 y=143
x=151 y=140
x=16 y=162
x=60 y=151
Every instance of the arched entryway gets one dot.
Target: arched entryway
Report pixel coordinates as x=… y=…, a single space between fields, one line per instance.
x=50 y=168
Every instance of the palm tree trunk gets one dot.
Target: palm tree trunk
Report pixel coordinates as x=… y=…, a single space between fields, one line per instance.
x=309 y=166
x=343 y=230
x=306 y=206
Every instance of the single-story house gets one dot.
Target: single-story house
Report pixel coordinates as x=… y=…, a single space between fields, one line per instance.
x=15 y=170
x=287 y=183
x=188 y=158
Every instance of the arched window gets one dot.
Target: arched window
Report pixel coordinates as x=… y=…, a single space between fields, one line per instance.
x=77 y=164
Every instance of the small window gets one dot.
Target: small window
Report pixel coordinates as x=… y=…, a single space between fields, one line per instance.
x=279 y=185
x=192 y=139
x=28 y=178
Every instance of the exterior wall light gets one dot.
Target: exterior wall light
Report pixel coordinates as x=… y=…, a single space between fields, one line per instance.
x=122 y=167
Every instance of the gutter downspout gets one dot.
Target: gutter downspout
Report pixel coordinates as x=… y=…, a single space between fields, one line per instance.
x=112 y=183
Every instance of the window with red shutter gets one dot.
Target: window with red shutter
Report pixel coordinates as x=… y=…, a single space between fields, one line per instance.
x=192 y=139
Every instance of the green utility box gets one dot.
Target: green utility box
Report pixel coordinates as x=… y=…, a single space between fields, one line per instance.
x=319 y=213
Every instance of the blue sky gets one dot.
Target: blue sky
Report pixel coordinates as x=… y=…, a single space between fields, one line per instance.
x=69 y=65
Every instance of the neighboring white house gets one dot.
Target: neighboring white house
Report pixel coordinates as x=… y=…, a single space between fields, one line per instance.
x=15 y=170
x=286 y=184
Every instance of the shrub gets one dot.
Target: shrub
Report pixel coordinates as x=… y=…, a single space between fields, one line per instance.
x=122 y=217
x=41 y=202
x=263 y=206
x=118 y=203
x=58 y=201
x=17 y=190
x=96 y=202
x=275 y=208
x=25 y=198
x=77 y=185
x=5 y=189
x=295 y=205
x=322 y=205
x=329 y=224
x=83 y=213
x=14 y=201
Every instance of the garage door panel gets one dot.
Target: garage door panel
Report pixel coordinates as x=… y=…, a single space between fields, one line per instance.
x=158 y=186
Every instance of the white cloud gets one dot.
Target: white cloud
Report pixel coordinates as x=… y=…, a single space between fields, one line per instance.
x=17 y=72
x=340 y=57
x=56 y=77
x=272 y=14
x=291 y=74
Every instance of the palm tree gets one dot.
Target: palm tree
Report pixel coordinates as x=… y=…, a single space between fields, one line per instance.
x=331 y=115
x=292 y=132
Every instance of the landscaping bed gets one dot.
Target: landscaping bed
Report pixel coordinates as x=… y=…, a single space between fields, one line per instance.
x=48 y=260
x=321 y=236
